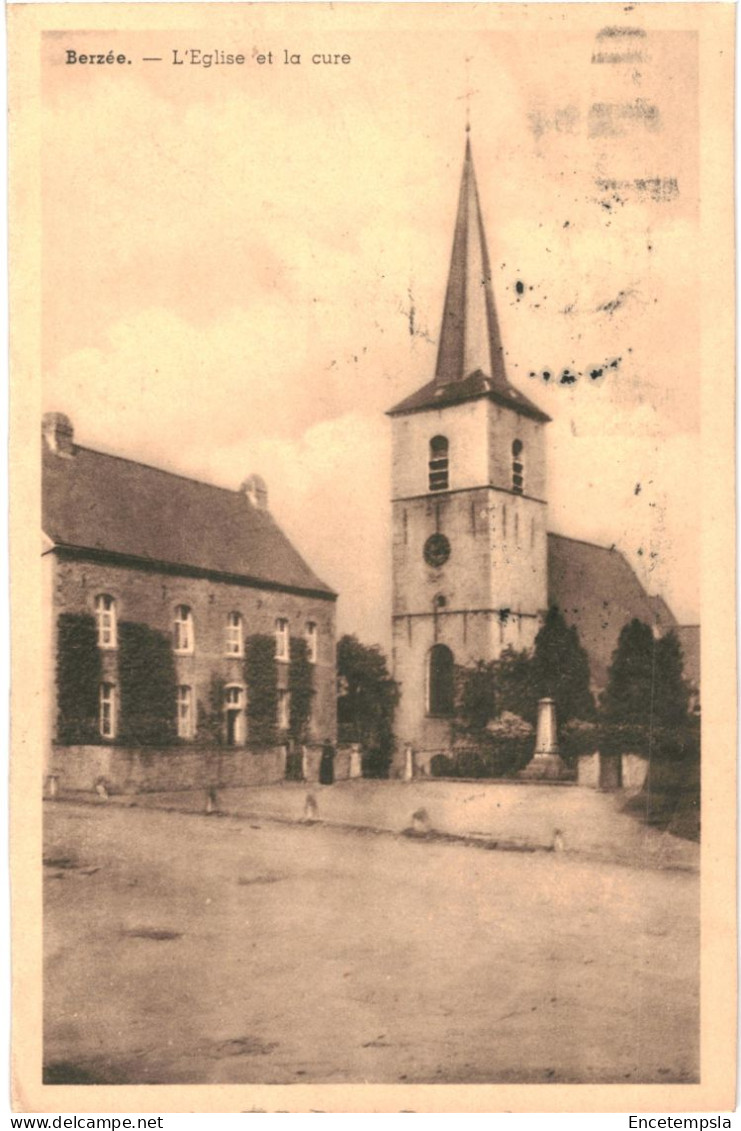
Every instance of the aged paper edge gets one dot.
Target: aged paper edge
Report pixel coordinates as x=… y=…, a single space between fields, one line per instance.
x=715 y=24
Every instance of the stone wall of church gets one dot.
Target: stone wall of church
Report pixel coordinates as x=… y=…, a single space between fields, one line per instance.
x=504 y=428
x=464 y=426
x=151 y=597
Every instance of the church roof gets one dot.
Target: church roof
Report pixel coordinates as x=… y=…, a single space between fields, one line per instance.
x=689 y=640
x=470 y=357
x=596 y=589
x=116 y=507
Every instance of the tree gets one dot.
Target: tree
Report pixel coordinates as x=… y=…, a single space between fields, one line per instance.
x=366 y=702
x=646 y=682
x=514 y=684
x=628 y=695
x=560 y=669
x=488 y=690
x=671 y=690
x=475 y=700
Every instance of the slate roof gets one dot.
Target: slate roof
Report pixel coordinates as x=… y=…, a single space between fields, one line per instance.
x=103 y=503
x=663 y=616
x=596 y=590
x=471 y=388
x=470 y=357
x=689 y=639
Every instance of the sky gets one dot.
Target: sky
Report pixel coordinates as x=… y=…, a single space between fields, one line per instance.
x=244 y=266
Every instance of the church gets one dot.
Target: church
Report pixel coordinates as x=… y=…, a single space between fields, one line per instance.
x=475 y=567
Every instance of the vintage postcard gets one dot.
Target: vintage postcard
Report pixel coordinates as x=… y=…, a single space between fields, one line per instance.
x=372 y=387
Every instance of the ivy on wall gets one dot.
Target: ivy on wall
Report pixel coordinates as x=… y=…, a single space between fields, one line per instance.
x=147 y=686
x=79 y=674
x=210 y=718
x=301 y=688
x=261 y=678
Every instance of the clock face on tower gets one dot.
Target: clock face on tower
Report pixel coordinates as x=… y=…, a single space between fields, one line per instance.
x=437 y=550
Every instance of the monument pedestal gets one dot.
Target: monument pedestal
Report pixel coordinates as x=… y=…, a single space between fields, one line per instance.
x=543 y=767
x=546 y=763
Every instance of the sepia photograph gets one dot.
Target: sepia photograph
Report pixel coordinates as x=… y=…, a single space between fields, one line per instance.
x=374 y=698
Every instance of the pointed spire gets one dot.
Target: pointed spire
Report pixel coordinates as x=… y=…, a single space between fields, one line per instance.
x=470 y=359
x=470 y=341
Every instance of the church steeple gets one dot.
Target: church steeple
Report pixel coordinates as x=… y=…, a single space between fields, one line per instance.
x=470 y=358
x=470 y=341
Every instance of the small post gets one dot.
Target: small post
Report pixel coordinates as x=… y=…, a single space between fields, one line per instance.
x=408 y=762
x=356 y=762
x=53 y=785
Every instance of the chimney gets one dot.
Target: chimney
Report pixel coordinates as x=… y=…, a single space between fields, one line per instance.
x=58 y=433
x=256 y=491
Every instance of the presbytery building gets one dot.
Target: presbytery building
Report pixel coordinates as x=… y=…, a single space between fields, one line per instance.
x=157 y=589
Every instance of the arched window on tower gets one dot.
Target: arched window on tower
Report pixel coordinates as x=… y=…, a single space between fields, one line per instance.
x=438 y=465
x=440 y=681
x=518 y=467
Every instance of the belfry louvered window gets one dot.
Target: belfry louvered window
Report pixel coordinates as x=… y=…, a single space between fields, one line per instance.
x=438 y=465
x=518 y=467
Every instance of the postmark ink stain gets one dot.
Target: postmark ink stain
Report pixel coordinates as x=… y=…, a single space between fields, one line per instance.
x=637 y=489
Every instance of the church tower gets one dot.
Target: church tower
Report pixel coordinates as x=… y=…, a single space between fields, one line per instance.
x=468 y=501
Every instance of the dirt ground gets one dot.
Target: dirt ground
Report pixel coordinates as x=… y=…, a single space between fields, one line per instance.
x=187 y=949
x=591 y=822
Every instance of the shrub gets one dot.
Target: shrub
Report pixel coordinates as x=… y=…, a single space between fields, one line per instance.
x=576 y=738
x=441 y=766
x=667 y=744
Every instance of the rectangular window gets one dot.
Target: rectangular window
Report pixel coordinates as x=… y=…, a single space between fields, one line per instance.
x=107 y=710
x=283 y=709
x=183 y=636
x=234 y=635
x=105 y=616
x=185 y=712
x=312 y=642
x=281 y=639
